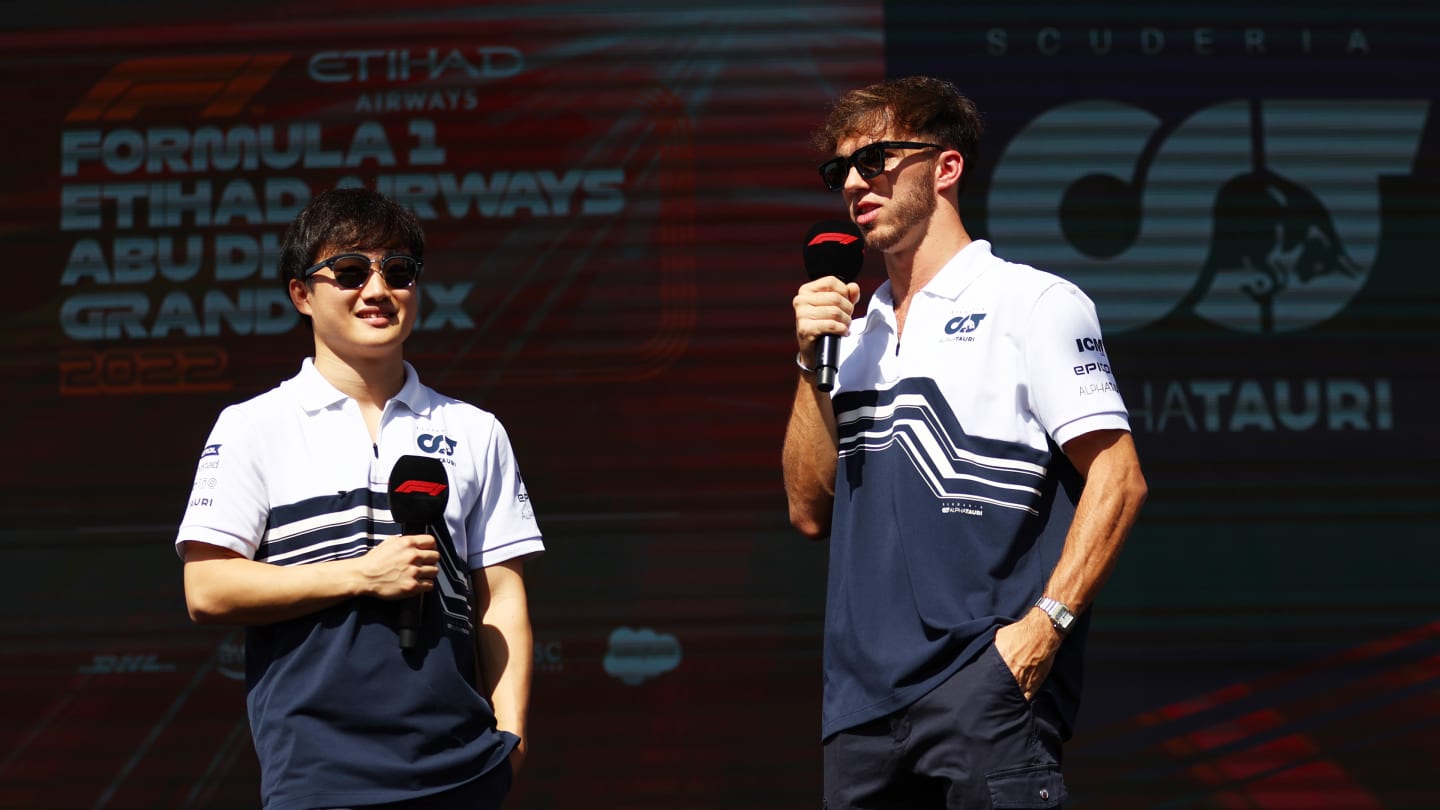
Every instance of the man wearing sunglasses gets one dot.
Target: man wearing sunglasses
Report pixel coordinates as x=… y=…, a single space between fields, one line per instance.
x=289 y=533
x=972 y=467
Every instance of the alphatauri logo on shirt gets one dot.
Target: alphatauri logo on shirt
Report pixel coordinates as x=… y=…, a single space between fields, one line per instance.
x=961 y=327
x=436 y=443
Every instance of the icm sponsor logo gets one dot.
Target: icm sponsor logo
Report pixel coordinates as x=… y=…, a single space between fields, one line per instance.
x=1089 y=344
x=210 y=450
x=635 y=656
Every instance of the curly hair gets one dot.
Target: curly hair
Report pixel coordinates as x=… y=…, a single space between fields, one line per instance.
x=912 y=107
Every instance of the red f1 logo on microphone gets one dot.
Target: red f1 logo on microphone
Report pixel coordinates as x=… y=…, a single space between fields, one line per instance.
x=432 y=488
x=831 y=236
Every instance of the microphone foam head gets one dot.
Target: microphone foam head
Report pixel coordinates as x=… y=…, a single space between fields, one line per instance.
x=834 y=247
x=419 y=488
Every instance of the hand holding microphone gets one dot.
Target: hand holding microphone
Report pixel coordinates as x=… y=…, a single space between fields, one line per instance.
x=833 y=249
x=419 y=489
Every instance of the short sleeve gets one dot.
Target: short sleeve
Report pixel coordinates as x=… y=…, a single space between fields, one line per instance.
x=1072 y=384
x=502 y=525
x=228 y=505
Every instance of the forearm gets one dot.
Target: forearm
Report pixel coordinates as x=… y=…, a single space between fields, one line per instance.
x=510 y=694
x=809 y=460
x=1114 y=492
x=506 y=646
x=239 y=591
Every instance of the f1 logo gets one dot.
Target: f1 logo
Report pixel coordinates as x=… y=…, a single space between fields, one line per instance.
x=832 y=236
x=431 y=488
x=223 y=85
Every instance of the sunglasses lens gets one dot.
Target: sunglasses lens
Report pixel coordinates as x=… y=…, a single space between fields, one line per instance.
x=351 y=272
x=400 y=272
x=833 y=173
x=870 y=161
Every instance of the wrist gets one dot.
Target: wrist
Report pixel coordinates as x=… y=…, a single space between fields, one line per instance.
x=800 y=362
x=1058 y=614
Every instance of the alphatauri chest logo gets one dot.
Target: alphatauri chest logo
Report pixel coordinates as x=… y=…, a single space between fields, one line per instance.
x=436 y=443
x=962 y=327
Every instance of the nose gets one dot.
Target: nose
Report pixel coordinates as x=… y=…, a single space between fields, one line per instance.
x=375 y=286
x=853 y=180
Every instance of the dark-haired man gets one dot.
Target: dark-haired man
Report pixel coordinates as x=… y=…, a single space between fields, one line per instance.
x=972 y=467
x=290 y=535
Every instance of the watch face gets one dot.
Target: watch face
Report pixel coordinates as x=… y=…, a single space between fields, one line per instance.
x=1060 y=616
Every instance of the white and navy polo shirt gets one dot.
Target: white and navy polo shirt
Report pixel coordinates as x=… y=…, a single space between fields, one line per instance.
x=340 y=717
x=952 y=497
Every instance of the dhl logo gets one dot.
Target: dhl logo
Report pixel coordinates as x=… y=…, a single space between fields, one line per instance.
x=221 y=85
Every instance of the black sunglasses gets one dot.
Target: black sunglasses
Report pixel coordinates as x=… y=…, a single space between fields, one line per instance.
x=352 y=270
x=868 y=160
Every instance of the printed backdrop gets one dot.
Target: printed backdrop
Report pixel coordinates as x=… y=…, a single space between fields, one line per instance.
x=615 y=197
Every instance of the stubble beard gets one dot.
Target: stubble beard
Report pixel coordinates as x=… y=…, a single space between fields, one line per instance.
x=907 y=212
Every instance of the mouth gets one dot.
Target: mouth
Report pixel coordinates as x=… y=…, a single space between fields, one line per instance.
x=866 y=213
x=376 y=317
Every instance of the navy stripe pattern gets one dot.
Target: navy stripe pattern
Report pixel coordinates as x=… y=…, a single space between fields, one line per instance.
x=952 y=463
x=348 y=524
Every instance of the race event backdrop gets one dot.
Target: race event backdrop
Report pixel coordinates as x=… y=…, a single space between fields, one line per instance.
x=615 y=196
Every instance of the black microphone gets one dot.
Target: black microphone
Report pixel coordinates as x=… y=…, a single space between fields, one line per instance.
x=832 y=248
x=419 y=488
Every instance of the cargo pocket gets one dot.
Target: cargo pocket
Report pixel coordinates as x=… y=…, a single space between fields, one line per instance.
x=1033 y=787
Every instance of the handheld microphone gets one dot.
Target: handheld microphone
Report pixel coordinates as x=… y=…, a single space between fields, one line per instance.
x=419 y=488
x=832 y=248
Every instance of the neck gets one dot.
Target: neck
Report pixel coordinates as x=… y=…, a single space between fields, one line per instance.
x=911 y=266
x=369 y=381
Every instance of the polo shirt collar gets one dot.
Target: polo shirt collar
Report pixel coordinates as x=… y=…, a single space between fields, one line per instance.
x=963 y=268
x=316 y=393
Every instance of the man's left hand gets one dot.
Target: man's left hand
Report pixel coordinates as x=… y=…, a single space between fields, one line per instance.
x=1028 y=648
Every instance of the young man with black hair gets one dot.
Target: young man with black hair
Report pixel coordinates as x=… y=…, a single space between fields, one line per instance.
x=289 y=533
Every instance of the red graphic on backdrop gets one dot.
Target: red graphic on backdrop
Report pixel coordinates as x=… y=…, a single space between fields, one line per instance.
x=220 y=85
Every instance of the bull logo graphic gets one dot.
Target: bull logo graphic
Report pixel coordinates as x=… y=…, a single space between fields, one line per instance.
x=1271 y=234
x=1241 y=214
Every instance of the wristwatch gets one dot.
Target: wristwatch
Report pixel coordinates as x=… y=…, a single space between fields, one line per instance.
x=1060 y=616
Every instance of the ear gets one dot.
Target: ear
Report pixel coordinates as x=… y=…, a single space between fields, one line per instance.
x=948 y=168
x=300 y=296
